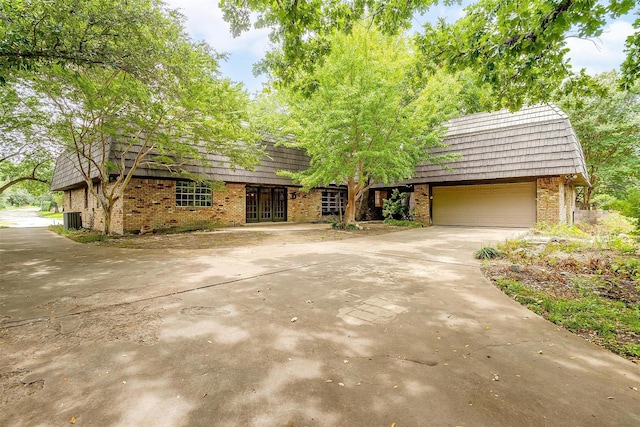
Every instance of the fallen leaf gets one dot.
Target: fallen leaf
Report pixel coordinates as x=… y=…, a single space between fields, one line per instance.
x=73 y=420
x=328 y=381
x=293 y=319
x=341 y=384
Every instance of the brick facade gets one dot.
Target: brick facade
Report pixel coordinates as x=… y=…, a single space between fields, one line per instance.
x=306 y=207
x=422 y=203
x=83 y=200
x=152 y=203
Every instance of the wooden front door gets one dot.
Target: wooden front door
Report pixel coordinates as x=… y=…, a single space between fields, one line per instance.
x=266 y=204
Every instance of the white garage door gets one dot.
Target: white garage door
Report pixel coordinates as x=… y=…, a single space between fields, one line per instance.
x=495 y=205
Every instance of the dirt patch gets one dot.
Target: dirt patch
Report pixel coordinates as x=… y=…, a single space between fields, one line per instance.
x=236 y=237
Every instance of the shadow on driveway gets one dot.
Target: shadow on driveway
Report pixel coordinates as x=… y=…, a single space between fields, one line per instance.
x=400 y=328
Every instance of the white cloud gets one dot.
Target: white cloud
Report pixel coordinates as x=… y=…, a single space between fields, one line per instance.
x=603 y=53
x=205 y=22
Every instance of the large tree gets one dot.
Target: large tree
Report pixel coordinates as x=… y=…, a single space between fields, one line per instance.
x=363 y=122
x=518 y=46
x=124 y=77
x=607 y=123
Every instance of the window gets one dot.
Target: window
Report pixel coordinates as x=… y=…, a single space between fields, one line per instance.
x=380 y=197
x=190 y=193
x=332 y=201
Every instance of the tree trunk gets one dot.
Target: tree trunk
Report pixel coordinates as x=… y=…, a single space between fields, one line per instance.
x=106 y=209
x=350 y=212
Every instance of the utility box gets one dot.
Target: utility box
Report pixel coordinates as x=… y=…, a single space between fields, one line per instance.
x=72 y=220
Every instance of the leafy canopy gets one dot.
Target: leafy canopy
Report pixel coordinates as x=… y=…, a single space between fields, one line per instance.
x=364 y=123
x=519 y=46
x=607 y=123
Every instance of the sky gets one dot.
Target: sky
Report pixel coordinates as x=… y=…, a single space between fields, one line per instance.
x=204 y=22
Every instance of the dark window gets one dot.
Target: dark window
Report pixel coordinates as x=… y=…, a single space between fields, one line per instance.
x=190 y=193
x=332 y=201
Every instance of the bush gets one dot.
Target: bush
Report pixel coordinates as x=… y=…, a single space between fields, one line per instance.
x=486 y=252
x=397 y=206
x=20 y=197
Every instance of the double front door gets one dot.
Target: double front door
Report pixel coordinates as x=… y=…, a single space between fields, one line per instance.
x=266 y=204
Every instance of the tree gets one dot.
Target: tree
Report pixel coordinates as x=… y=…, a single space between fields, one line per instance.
x=37 y=34
x=363 y=123
x=519 y=47
x=186 y=112
x=123 y=77
x=23 y=153
x=607 y=123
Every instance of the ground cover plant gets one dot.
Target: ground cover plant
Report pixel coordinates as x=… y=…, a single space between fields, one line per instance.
x=587 y=282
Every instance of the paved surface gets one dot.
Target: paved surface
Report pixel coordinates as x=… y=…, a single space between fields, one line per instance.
x=399 y=328
x=25 y=217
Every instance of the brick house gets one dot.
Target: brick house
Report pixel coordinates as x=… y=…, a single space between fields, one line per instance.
x=514 y=169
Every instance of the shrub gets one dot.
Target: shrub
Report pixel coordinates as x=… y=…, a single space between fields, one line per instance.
x=486 y=252
x=397 y=206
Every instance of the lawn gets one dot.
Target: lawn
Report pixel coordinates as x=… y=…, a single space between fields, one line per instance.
x=52 y=215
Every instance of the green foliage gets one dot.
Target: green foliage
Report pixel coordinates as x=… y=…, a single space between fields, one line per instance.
x=486 y=252
x=403 y=223
x=607 y=123
x=627 y=267
x=20 y=197
x=124 y=76
x=344 y=226
x=358 y=118
x=624 y=246
x=396 y=206
x=519 y=48
x=559 y=230
x=586 y=313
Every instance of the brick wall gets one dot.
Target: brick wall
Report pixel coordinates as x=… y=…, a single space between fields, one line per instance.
x=422 y=203
x=550 y=200
x=306 y=207
x=82 y=200
x=152 y=203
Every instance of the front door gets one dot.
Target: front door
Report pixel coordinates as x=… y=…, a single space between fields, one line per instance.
x=266 y=204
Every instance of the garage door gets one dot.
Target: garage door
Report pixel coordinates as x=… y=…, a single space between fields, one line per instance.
x=501 y=205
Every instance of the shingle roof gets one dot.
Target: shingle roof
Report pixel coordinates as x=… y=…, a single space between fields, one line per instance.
x=215 y=167
x=535 y=141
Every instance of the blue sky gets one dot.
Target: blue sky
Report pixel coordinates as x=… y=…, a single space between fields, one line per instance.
x=204 y=22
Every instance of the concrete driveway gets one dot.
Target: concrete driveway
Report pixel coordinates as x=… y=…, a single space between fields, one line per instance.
x=400 y=328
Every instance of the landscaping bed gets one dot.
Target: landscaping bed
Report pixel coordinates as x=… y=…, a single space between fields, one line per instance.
x=228 y=237
x=588 y=284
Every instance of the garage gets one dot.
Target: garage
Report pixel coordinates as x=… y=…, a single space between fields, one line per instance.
x=493 y=205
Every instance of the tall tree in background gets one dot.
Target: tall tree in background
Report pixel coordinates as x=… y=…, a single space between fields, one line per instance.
x=24 y=153
x=607 y=124
x=360 y=121
x=519 y=47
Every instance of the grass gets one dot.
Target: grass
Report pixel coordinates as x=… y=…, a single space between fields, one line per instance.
x=402 y=223
x=605 y=321
x=52 y=215
x=82 y=235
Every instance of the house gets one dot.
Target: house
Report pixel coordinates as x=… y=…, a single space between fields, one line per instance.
x=514 y=169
